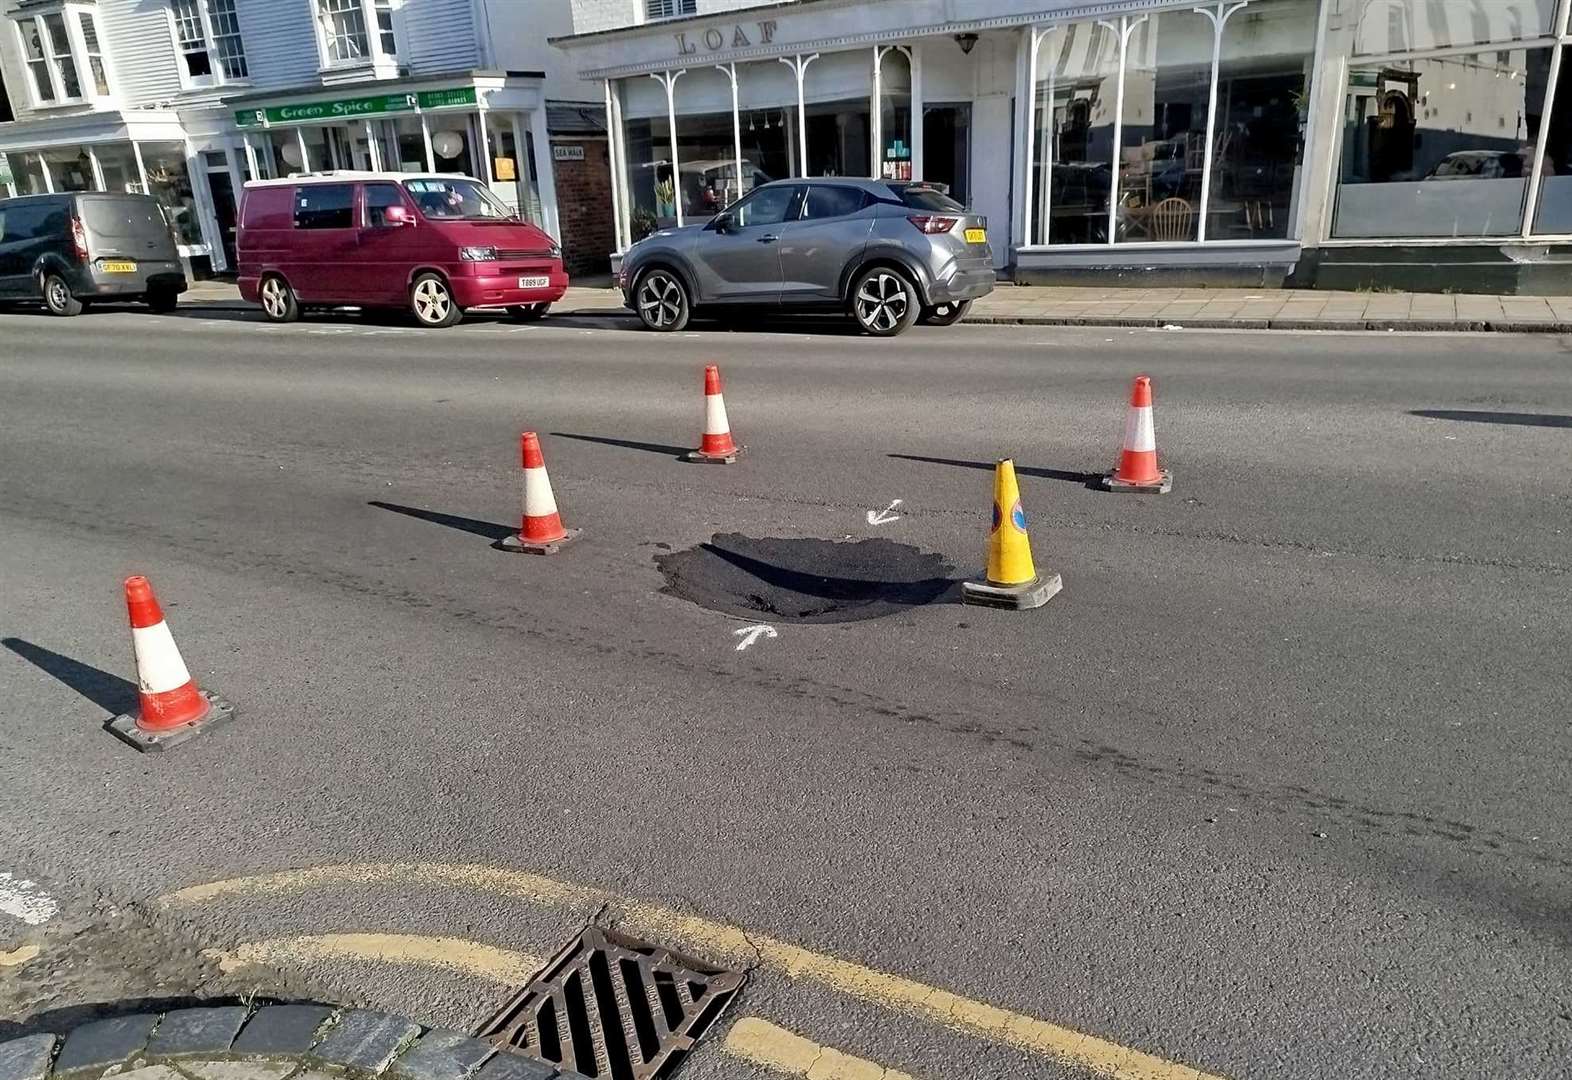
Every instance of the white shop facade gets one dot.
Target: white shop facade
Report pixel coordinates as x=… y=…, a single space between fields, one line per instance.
x=1421 y=143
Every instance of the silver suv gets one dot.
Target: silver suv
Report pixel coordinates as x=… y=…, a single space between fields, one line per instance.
x=888 y=252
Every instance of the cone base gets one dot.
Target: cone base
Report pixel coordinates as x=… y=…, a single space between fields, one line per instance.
x=125 y=727
x=1164 y=484
x=517 y=543
x=1031 y=594
x=714 y=459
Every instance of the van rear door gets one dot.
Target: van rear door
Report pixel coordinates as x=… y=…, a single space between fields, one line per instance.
x=122 y=228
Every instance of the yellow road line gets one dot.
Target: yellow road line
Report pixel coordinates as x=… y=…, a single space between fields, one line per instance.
x=451 y=954
x=1061 y=1044
x=765 y=1044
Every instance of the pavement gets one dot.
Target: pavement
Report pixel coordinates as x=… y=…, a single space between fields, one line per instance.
x=1215 y=309
x=1274 y=787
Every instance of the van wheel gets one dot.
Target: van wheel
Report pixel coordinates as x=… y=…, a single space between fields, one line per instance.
x=884 y=302
x=528 y=312
x=432 y=301
x=163 y=301
x=278 y=300
x=58 y=298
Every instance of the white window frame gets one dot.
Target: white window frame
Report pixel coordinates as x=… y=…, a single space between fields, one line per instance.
x=76 y=50
x=675 y=9
x=216 y=75
x=375 y=54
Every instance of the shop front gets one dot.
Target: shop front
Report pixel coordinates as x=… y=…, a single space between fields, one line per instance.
x=147 y=151
x=1221 y=142
x=491 y=127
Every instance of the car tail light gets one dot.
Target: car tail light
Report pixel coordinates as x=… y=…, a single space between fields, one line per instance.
x=933 y=225
x=79 y=239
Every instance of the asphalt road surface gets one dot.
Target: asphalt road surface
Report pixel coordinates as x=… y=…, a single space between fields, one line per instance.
x=1275 y=787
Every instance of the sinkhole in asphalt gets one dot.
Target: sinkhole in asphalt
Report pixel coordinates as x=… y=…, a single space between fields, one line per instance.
x=811 y=581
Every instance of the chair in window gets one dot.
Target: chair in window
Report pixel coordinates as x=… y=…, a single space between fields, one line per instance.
x=1172 y=219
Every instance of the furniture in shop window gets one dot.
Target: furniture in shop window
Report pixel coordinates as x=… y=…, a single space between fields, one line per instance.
x=1172 y=219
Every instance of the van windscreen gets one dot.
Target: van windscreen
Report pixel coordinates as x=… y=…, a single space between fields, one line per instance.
x=123 y=219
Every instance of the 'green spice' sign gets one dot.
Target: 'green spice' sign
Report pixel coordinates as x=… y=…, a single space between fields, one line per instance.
x=309 y=112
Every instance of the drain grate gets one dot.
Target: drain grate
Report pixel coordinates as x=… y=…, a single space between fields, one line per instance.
x=612 y=1006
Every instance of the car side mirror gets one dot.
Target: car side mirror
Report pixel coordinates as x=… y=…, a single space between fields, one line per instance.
x=722 y=223
x=394 y=216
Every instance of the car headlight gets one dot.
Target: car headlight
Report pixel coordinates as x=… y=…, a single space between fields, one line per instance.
x=478 y=254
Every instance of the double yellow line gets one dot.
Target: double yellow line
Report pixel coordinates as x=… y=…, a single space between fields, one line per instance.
x=1061 y=1045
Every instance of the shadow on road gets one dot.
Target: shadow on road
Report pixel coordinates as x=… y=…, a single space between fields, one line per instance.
x=1091 y=480
x=488 y=529
x=678 y=452
x=108 y=692
x=1471 y=416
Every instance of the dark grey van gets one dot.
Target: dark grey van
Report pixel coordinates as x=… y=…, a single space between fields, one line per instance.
x=71 y=249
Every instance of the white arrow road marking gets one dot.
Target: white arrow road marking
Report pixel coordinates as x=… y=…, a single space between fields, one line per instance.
x=26 y=901
x=884 y=517
x=750 y=634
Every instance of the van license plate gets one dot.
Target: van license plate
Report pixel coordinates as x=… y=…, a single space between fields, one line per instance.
x=976 y=236
x=119 y=267
x=534 y=283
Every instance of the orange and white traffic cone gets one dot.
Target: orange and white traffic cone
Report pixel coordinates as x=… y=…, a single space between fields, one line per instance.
x=541 y=531
x=172 y=707
x=716 y=445
x=1138 y=470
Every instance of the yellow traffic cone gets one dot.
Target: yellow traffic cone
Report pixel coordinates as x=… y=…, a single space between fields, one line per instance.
x=1012 y=580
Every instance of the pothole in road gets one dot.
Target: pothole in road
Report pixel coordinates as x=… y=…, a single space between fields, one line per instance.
x=812 y=581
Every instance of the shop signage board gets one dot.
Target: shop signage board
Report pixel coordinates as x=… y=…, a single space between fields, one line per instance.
x=567 y=153
x=309 y=112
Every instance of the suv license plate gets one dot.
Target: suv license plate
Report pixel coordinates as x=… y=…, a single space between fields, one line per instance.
x=976 y=236
x=534 y=283
x=119 y=267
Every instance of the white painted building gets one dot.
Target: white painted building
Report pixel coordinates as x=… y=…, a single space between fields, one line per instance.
x=1425 y=143
x=185 y=99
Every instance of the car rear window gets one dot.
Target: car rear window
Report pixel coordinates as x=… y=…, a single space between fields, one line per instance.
x=929 y=198
x=830 y=201
x=124 y=219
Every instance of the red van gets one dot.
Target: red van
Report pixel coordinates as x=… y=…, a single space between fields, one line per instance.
x=433 y=244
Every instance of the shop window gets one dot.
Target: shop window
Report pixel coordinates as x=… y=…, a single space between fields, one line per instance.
x=1396 y=26
x=169 y=181
x=669 y=9
x=27 y=174
x=1167 y=82
x=895 y=115
x=1439 y=147
x=1554 y=215
x=325 y=206
x=118 y=165
x=71 y=170
x=1073 y=174
x=1262 y=108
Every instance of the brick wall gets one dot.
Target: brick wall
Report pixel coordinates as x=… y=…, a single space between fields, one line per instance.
x=584 y=207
